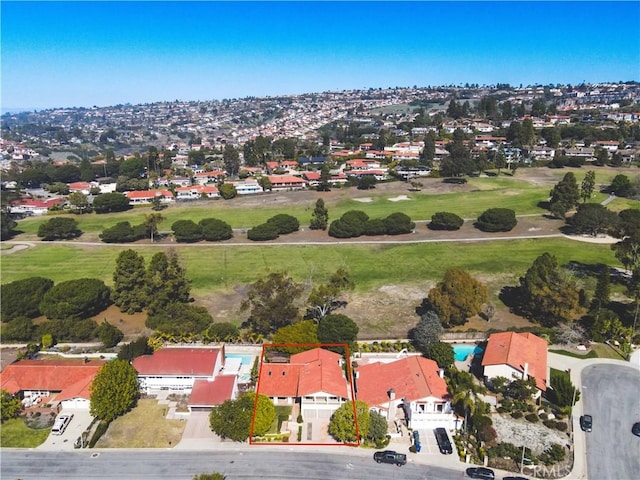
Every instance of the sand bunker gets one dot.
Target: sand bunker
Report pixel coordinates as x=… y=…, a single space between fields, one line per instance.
x=364 y=199
x=398 y=198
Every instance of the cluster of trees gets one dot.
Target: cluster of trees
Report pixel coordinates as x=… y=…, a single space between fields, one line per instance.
x=123 y=232
x=233 y=419
x=334 y=328
x=209 y=229
x=59 y=228
x=355 y=223
x=67 y=305
x=275 y=226
x=353 y=422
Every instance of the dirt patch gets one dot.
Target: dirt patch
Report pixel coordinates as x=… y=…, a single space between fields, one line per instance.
x=132 y=325
x=521 y=432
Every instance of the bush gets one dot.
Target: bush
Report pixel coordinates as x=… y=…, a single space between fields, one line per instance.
x=445 y=221
x=123 y=232
x=517 y=414
x=399 y=223
x=186 y=231
x=350 y=224
x=59 y=228
x=375 y=226
x=299 y=419
x=532 y=417
x=214 y=230
x=497 y=220
x=562 y=426
x=554 y=454
x=263 y=232
x=284 y=223
x=22 y=297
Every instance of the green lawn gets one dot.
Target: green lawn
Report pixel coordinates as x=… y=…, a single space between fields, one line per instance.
x=15 y=434
x=215 y=268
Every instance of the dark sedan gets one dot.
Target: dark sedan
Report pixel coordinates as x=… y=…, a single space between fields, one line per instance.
x=481 y=473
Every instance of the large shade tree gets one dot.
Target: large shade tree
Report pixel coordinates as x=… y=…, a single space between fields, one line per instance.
x=457 y=297
x=22 y=297
x=232 y=419
x=343 y=422
x=114 y=391
x=129 y=293
x=76 y=299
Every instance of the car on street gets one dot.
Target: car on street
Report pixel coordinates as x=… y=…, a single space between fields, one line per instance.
x=481 y=472
x=444 y=444
x=390 y=456
x=636 y=429
x=514 y=478
x=586 y=422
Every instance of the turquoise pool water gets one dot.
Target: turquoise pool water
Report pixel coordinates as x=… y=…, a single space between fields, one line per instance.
x=245 y=360
x=461 y=352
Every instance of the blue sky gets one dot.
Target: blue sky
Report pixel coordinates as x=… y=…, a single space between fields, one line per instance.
x=64 y=54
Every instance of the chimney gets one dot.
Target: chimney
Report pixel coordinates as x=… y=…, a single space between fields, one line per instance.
x=525 y=373
x=441 y=373
x=392 y=407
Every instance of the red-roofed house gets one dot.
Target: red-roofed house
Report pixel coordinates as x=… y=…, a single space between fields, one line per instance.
x=202 y=178
x=414 y=384
x=315 y=379
x=138 y=197
x=516 y=355
x=287 y=182
x=197 y=192
x=66 y=381
x=34 y=206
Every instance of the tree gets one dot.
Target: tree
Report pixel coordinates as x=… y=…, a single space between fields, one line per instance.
x=378 y=427
x=7 y=225
x=263 y=232
x=109 y=335
x=563 y=390
x=151 y=222
x=140 y=346
x=602 y=293
x=114 y=391
x=285 y=223
x=186 y=231
x=546 y=295
x=264 y=413
x=426 y=332
x=398 y=223
x=19 y=329
x=564 y=196
x=367 y=182
x=47 y=341
x=227 y=191
x=123 y=232
x=271 y=301
x=593 y=219
x=79 y=201
x=129 y=283
x=620 y=185
x=325 y=177
x=176 y=318
x=111 y=202
x=588 y=185
x=22 y=297
x=350 y=224
x=231 y=159
x=441 y=353
x=497 y=220
x=429 y=150
x=343 y=423
x=10 y=405
x=233 y=418
x=338 y=328
x=214 y=230
x=629 y=223
x=59 y=228
x=320 y=216
x=445 y=221
x=76 y=299
x=457 y=297
x=521 y=389
x=324 y=298
x=304 y=332
x=166 y=282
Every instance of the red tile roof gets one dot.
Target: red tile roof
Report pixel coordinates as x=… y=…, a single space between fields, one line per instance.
x=148 y=194
x=179 y=361
x=71 y=378
x=285 y=179
x=313 y=371
x=516 y=350
x=208 y=394
x=412 y=378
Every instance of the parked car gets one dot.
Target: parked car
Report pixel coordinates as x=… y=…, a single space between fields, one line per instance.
x=514 y=478
x=390 y=456
x=443 y=441
x=636 y=429
x=481 y=472
x=60 y=425
x=586 y=422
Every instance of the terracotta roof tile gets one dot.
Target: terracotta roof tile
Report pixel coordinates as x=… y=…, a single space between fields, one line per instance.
x=179 y=361
x=206 y=393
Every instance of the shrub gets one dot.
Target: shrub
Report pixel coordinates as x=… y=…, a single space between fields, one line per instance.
x=445 y=221
x=186 y=231
x=399 y=223
x=263 y=232
x=22 y=297
x=59 y=228
x=284 y=223
x=532 y=417
x=299 y=419
x=497 y=220
x=111 y=202
x=121 y=232
x=350 y=224
x=562 y=426
x=214 y=230
x=516 y=414
x=300 y=433
x=375 y=226
x=101 y=429
x=543 y=416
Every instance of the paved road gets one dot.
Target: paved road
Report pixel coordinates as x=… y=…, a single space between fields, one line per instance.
x=165 y=464
x=611 y=396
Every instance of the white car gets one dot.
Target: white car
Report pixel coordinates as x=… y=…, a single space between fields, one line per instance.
x=60 y=424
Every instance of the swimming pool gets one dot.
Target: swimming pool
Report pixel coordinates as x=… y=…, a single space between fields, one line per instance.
x=462 y=351
x=245 y=359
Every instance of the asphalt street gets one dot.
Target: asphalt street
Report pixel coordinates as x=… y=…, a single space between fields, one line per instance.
x=611 y=395
x=174 y=465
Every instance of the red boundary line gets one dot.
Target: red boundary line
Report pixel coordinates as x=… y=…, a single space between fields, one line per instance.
x=349 y=379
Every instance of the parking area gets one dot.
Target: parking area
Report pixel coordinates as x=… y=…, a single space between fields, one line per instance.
x=78 y=424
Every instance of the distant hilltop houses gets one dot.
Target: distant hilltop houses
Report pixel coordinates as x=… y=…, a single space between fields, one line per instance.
x=178 y=151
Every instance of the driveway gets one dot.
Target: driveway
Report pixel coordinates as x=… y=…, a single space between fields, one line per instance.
x=78 y=424
x=610 y=394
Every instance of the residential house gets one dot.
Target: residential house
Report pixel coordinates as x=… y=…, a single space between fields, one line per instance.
x=287 y=182
x=199 y=372
x=81 y=187
x=62 y=382
x=197 y=192
x=516 y=356
x=203 y=178
x=411 y=388
x=32 y=206
x=314 y=380
x=141 y=197
x=247 y=187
